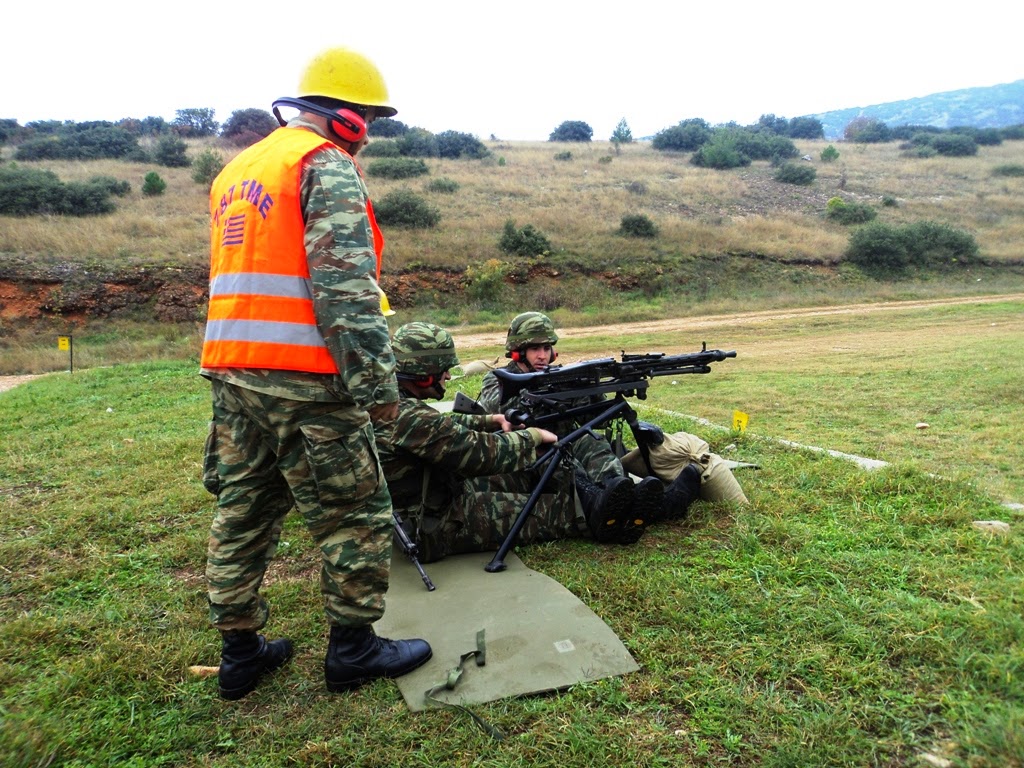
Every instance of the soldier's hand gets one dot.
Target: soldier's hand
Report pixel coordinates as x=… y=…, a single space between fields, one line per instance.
x=383 y=412
x=499 y=419
x=542 y=436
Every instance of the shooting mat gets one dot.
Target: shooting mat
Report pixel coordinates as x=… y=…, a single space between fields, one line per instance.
x=539 y=636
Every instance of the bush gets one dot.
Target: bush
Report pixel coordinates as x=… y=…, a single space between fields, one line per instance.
x=387 y=127
x=153 y=185
x=381 y=148
x=31 y=192
x=444 y=185
x=687 y=136
x=417 y=142
x=563 y=156
x=452 y=144
x=843 y=212
x=1010 y=169
x=888 y=201
x=404 y=208
x=170 y=152
x=113 y=186
x=792 y=173
x=572 y=130
x=637 y=188
x=637 y=225
x=486 y=283
x=954 y=145
x=397 y=168
x=829 y=154
x=206 y=166
x=720 y=152
x=79 y=141
x=867 y=130
x=882 y=248
x=527 y=241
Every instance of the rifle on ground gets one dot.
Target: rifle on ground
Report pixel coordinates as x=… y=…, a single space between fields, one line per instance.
x=411 y=550
x=578 y=392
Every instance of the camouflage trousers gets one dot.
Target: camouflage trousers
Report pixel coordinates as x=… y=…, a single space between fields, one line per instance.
x=265 y=455
x=596 y=459
x=482 y=510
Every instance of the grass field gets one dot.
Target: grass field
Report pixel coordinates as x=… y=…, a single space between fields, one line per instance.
x=843 y=618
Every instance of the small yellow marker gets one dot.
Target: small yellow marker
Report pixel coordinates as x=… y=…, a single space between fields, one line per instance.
x=739 y=421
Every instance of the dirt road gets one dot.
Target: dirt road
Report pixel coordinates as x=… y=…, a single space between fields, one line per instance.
x=468 y=342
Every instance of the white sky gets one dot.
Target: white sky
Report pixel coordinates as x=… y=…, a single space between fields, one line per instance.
x=515 y=70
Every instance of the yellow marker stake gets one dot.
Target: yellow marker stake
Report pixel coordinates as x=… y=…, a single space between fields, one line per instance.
x=739 y=421
x=64 y=344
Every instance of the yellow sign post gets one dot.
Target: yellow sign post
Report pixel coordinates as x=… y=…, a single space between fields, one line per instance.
x=739 y=421
x=65 y=344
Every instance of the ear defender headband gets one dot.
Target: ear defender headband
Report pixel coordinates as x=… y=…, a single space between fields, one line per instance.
x=348 y=125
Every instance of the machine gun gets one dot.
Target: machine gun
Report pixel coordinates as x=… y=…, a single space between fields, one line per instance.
x=411 y=550
x=576 y=393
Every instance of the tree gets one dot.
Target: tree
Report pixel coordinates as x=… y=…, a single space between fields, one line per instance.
x=250 y=124
x=195 y=122
x=170 y=152
x=805 y=128
x=867 y=130
x=622 y=134
x=572 y=130
x=387 y=128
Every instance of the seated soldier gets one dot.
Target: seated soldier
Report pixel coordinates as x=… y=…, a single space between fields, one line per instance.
x=459 y=481
x=601 y=481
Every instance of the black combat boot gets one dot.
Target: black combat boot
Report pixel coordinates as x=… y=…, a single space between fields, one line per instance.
x=244 y=656
x=608 y=507
x=682 y=492
x=648 y=507
x=355 y=655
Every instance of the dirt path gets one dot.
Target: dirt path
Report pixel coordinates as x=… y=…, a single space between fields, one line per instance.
x=497 y=338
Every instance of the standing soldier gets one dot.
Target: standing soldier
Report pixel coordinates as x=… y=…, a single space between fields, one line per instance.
x=300 y=364
x=605 y=490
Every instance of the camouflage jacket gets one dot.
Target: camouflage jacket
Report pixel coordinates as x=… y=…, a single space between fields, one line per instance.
x=346 y=299
x=445 y=448
x=490 y=392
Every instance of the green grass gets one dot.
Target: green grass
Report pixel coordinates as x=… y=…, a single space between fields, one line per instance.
x=843 y=618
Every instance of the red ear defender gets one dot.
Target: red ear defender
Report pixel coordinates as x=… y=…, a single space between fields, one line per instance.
x=516 y=356
x=348 y=125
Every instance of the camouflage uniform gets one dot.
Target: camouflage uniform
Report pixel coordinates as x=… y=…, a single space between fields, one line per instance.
x=282 y=438
x=457 y=484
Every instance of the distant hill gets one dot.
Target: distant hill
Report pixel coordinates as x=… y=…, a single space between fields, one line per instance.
x=995 y=106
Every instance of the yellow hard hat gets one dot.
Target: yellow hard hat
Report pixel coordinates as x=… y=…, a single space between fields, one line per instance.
x=346 y=75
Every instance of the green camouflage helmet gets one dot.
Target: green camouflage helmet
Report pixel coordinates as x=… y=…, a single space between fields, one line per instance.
x=423 y=349
x=529 y=328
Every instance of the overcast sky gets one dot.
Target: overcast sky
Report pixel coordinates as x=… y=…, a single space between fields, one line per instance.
x=513 y=70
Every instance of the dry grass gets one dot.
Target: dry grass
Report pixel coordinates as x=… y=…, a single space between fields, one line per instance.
x=579 y=205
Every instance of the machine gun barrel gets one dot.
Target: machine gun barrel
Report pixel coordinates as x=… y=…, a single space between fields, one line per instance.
x=411 y=550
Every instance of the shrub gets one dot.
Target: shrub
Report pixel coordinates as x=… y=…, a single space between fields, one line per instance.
x=883 y=248
x=792 y=173
x=867 y=130
x=564 y=156
x=805 y=128
x=486 y=283
x=526 y=241
x=829 y=154
x=843 y=212
x=572 y=130
x=153 y=185
x=604 y=159
x=206 y=166
x=113 y=186
x=1010 y=169
x=452 y=144
x=418 y=142
x=387 y=127
x=889 y=201
x=637 y=188
x=954 y=145
x=170 y=152
x=381 y=148
x=79 y=141
x=687 y=136
x=30 y=192
x=443 y=185
x=397 y=168
x=87 y=199
x=404 y=208
x=637 y=225
x=622 y=134
x=720 y=152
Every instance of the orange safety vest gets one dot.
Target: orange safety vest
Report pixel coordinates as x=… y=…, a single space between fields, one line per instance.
x=261 y=300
